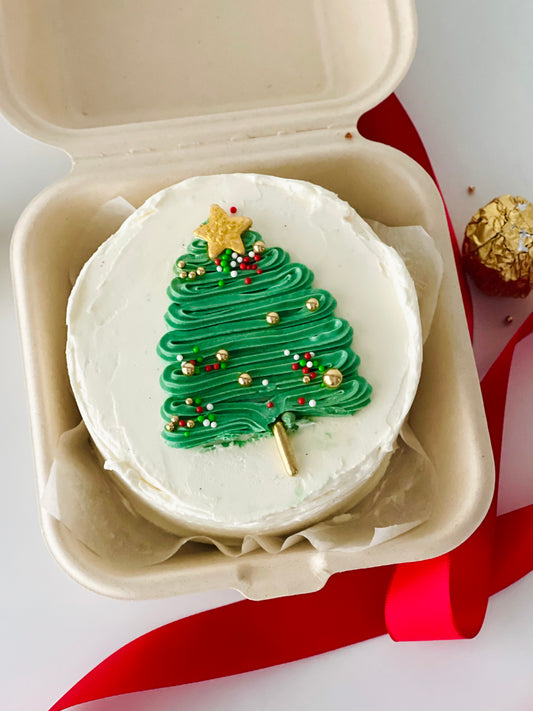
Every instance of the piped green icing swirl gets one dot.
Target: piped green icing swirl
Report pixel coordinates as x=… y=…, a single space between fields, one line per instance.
x=232 y=316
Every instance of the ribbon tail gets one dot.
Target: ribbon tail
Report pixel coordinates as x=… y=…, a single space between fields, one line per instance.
x=242 y=637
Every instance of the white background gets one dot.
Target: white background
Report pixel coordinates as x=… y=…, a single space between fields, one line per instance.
x=470 y=93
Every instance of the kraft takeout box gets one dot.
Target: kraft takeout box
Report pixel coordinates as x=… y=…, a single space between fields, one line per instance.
x=144 y=94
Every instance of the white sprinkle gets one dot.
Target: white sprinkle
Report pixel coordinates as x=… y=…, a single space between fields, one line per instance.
x=296 y=356
x=233 y=273
x=286 y=352
x=312 y=403
x=179 y=357
x=209 y=406
x=251 y=254
x=239 y=259
x=265 y=382
x=213 y=424
x=234 y=255
x=219 y=268
x=309 y=364
x=206 y=423
x=233 y=264
x=312 y=354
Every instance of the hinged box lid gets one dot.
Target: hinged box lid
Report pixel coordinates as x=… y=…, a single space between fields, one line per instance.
x=110 y=76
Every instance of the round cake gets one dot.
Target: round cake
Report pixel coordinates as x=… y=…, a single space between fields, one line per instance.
x=244 y=351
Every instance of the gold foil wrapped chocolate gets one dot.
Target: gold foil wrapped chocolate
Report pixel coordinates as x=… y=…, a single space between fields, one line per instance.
x=498 y=247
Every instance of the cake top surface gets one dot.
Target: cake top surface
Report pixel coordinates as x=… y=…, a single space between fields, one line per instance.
x=116 y=319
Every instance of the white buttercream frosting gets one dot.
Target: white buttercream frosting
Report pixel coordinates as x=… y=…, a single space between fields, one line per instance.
x=115 y=319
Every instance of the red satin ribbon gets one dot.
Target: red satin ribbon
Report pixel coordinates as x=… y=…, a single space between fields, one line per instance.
x=446 y=597
x=442 y=598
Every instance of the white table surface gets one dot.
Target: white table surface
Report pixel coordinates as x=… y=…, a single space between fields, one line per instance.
x=470 y=93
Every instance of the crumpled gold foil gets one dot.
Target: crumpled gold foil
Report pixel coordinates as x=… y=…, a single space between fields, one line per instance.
x=500 y=237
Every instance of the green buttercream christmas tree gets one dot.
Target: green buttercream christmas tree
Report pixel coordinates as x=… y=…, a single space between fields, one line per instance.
x=253 y=347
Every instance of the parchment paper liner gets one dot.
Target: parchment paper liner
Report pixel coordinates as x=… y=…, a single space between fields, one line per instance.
x=83 y=496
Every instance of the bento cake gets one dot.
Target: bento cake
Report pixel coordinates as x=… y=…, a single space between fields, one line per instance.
x=227 y=313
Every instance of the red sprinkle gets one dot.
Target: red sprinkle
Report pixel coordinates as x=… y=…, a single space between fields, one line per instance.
x=247 y=280
x=270 y=404
x=217 y=262
x=253 y=266
x=208 y=368
x=305 y=370
x=193 y=362
x=259 y=271
x=181 y=423
x=216 y=366
x=233 y=210
x=199 y=409
x=307 y=356
x=295 y=366
x=257 y=257
x=246 y=260
x=242 y=265
x=301 y=401
x=312 y=375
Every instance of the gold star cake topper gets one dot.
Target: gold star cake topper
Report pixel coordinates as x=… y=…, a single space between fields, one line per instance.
x=223 y=231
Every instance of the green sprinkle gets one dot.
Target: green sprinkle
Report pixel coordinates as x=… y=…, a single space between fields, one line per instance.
x=225 y=269
x=323 y=385
x=211 y=418
x=321 y=369
x=186 y=434
x=223 y=366
x=228 y=251
x=196 y=349
x=221 y=283
x=200 y=359
x=200 y=418
x=197 y=371
x=197 y=401
x=302 y=362
x=315 y=363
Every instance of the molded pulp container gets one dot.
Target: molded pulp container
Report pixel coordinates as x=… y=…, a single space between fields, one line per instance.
x=143 y=94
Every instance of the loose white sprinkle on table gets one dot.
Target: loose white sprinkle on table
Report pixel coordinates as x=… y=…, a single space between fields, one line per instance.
x=179 y=357
x=265 y=381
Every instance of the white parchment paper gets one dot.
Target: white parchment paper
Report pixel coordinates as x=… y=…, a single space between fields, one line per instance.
x=84 y=497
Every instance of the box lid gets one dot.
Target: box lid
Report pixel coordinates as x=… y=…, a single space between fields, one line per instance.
x=110 y=77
